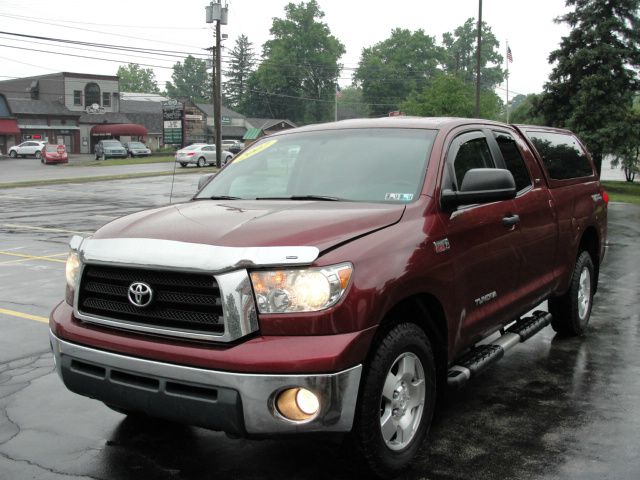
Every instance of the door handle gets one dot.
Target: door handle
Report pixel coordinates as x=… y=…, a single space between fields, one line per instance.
x=510 y=221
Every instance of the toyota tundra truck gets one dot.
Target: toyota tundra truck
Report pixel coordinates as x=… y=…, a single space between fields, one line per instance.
x=337 y=278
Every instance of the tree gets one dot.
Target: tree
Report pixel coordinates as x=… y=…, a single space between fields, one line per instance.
x=190 y=79
x=450 y=96
x=241 y=65
x=460 y=55
x=132 y=78
x=390 y=70
x=525 y=110
x=351 y=104
x=627 y=155
x=591 y=87
x=298 y=75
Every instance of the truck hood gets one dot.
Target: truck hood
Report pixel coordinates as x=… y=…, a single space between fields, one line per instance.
x=251 y=223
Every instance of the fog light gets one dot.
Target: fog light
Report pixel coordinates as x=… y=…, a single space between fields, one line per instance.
x=297 y=404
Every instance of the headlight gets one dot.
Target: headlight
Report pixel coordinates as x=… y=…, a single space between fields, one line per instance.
x=72 y=271
x=300 y=290
x=72 y=268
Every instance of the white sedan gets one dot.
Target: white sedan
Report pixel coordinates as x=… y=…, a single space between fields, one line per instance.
x=30 y=147
x=201 y=155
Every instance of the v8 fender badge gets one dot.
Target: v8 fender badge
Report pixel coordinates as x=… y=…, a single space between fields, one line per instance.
x=485 y=298
x=441 y=246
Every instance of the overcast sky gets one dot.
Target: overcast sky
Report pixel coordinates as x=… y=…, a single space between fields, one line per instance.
x=181 y=26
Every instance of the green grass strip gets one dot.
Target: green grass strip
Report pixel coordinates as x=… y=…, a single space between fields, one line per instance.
x=625 y=192
x=124 y=176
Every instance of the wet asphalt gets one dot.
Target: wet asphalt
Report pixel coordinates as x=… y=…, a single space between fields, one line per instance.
x=553 y=408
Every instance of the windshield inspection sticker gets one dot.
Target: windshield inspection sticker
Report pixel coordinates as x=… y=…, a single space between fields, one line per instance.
x=399 y=197
x=253 y=151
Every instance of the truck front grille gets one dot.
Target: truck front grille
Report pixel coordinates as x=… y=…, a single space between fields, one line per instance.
x=181 y=301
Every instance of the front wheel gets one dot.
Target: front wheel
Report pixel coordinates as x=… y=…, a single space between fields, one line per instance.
x=572 y=311
x=397 y=400
x=13 y=154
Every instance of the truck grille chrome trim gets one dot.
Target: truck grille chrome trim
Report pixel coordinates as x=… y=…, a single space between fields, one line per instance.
x=217 y=308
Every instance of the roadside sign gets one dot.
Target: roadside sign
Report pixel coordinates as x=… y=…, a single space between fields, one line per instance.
x=172 y=116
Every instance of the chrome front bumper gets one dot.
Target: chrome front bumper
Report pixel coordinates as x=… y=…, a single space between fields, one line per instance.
x=204 y=397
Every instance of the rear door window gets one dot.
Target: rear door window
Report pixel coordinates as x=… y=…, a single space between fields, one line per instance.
x=513 y=160
x=562 y=155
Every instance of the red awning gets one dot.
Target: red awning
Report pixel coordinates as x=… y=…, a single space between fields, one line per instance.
x=119 y=129
x=9 y=126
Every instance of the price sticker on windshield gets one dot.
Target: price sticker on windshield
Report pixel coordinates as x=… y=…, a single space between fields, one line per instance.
x=399 y=197
x=254 y=151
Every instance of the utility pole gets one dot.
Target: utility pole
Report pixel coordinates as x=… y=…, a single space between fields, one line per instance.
x=479 y=59
x=217 y=14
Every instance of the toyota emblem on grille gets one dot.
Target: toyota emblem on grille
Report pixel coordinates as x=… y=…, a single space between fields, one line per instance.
x=140 y=294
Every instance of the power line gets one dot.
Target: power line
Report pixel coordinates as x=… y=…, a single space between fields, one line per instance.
x=27 y=19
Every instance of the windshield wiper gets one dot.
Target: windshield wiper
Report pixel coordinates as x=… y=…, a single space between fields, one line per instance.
x=323 y=198
x=219 y=197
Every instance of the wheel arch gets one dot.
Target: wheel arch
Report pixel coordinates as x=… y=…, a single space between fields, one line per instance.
x=426 y=311
x=590 y=242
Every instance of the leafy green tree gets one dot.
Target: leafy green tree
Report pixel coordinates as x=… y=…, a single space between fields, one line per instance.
x=390 y=70
x=241 y=65
x=525 y=110
x=450 y=96
x=132 y=78
x=190 y=79
x=460 y=55
x=590 y=89
x=297 y=78
x=351 y=104
x=627 y=155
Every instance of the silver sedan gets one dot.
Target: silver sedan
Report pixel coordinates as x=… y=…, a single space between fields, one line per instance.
x=200 y=154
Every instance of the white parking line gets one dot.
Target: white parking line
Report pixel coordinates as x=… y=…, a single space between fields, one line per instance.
x=43 y=229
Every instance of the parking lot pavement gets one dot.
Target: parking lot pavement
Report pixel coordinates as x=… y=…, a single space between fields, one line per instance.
x=552 y=409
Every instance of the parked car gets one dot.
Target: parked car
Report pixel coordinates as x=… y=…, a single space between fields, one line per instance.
x=293 y=295
x=201 y=154
x=28 y=148
x=109 y=148
x=137 y=149
x=54 y=154
x=233 y=146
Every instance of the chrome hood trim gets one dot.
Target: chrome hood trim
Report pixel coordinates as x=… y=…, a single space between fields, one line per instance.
x=183 y=256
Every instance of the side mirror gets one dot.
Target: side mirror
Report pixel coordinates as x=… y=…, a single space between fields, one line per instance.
x=481 y=185
x=204 y=180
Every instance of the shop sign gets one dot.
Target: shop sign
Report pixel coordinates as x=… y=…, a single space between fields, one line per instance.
x=94 y=109
x=225 y=120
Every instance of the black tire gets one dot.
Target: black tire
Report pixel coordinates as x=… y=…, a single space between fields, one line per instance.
x=124 y=411
x=388 y=458
x=38 y=154
x=572 y=311
x=42 y=160
x=201 y=162
x=227 y=159
x=183 y=164
x=103 y=157
x=13 y=154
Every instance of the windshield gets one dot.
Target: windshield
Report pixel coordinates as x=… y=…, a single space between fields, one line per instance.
x=363 y=165
x=137 y=145
x=112 y=143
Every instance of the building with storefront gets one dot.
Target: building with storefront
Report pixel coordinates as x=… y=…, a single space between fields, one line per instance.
x=9 y=131
x=76 y=109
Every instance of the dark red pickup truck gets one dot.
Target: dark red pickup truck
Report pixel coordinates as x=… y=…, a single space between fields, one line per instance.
x=336 y=278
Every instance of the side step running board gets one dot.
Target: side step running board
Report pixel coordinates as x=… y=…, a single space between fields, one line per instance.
x=481 y=357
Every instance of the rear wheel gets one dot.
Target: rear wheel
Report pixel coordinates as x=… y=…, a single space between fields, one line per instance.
x=201 y=162
x=227 y=159
x=397 y=400
x=183 y=164
x=572 y=311
x=38 y=154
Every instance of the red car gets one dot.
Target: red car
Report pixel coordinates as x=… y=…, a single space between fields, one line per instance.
x=54 y=154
